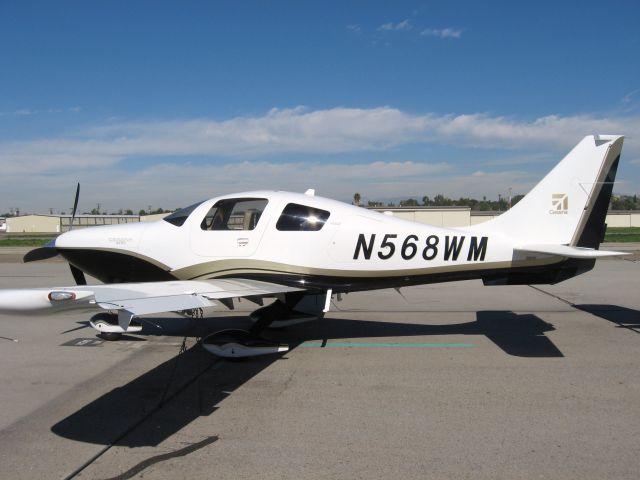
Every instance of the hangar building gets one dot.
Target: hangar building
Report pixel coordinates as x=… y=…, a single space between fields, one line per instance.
x=439 y=216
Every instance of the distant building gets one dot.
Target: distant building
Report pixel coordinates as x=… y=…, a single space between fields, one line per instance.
x=60 y=223
x=464 y=216
x=153 y=217
x=439 y=216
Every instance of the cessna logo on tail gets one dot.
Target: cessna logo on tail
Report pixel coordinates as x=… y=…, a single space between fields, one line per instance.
x=559 y=203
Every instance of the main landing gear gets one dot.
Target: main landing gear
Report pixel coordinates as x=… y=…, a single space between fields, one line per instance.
x=248 y=343
x=237 y=343
x=232 y=343
x=107 y=326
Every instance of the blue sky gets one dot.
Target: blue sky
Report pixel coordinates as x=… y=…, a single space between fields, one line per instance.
x=164 y=103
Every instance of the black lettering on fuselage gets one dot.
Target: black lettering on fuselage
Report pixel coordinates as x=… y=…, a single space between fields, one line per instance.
x=366 y=249
x=477 y=250
x=452 y=247
x=412 y=244
x=386 y=243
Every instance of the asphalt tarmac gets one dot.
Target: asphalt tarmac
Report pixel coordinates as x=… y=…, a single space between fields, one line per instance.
x=440 y=381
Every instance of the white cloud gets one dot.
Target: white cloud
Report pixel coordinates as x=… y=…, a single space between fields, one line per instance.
x=298 y=131
x=404 y=25
x=441 y=32
x=630 y=101
x=40 y=172
x=628 y=98
x=278 y=132
x=23 y=112
x=170 y=185
x=327 y=132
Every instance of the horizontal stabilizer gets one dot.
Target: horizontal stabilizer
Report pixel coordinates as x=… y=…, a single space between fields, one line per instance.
x=567 y=251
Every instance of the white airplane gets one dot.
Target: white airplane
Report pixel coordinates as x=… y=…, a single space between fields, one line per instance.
x=301 y=249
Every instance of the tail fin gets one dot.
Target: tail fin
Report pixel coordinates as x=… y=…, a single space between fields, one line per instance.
x=569 y=206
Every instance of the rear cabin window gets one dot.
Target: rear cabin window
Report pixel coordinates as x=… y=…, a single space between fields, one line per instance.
x=300 y=218
x=178 y=217
x=234 y=214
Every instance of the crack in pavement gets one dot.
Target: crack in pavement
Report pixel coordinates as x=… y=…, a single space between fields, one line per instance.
x=163 y=457
x=166 y=398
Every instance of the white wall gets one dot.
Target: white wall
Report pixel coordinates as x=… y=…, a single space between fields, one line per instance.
x=441 y=217
x=33 y=224
x=453 y=217
x=614 y=219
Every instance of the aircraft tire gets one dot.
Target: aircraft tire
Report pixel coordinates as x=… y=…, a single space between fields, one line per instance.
x=103 y=319
x=110 y=336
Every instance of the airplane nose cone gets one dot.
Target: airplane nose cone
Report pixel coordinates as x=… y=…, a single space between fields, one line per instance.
x=118 y=237
x=79 y=238
x=110 y=253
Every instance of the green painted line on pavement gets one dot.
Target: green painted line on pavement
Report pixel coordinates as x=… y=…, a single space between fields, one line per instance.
x=399 y=345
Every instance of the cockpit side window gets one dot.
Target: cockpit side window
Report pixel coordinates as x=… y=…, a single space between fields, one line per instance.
x=178 y=217
x=234 y=214
x=300 y=218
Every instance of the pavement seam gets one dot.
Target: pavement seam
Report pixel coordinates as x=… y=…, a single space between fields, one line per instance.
x=573 y=305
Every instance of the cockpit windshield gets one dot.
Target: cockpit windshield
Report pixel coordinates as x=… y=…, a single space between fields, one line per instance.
x=178 y=217
x=234 y=214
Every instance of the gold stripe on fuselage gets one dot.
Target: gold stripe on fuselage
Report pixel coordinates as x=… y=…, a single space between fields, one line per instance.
x=244 y=266
x=230 y=267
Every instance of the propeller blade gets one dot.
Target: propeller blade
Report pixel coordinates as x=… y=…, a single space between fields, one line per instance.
x=50 y=251
x=75 y=206
x=78 y=275
x=41 y=253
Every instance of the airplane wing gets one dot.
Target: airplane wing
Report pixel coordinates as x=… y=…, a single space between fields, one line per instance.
x=134 y=299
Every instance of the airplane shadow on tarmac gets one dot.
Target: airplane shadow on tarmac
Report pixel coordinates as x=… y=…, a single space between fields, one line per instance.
x=624 y=317
x=162 y=401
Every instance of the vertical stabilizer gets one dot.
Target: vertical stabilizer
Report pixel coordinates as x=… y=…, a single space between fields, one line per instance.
x=569 y=206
